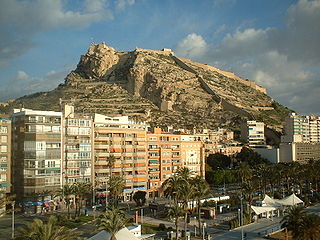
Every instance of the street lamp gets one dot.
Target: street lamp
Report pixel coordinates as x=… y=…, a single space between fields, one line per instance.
x=12 y=233
x=241 y=217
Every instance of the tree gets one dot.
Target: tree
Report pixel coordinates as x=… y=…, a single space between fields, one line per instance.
x=112 y=221
x=66 y=192
x=4 y=201
x=116 y=185
x=185 y=194
x=293 y=220
x=251 y=157
x=38 y=230
x=175 y=212
x=140 y=198
x=171 y=187
x=110 y=163
x=310 y=227
x=184 y=173
x=201 y=191
x=80 y=190
x=218 y=161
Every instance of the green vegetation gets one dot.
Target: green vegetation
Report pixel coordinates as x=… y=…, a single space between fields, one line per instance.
x=49 y=230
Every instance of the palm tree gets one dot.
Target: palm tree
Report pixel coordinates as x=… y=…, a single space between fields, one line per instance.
x=185 y=194
x=66 y=193
x=110 y=163
x=294 y=219
x=175 y=212
x=310 y=227
x=201 y=191
x=116 y=185
x=37 y=230
x=113 y=220
x=185 y=173
x=80 y=190
x=244 y=172
x=171 y=187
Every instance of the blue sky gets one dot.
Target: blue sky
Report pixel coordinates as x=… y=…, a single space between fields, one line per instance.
x=273 y=42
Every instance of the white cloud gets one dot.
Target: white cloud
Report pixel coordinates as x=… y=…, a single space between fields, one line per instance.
x=22 y=83
x=122 y=4
x=20 y=20
x=283 y=60
x=193 y=46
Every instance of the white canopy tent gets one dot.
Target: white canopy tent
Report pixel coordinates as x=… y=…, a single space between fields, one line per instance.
x=123 y=234
x=270 y=204
x=260 y=210
x=291 y=200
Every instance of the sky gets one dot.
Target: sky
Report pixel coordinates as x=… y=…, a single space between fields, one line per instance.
x=273 y=42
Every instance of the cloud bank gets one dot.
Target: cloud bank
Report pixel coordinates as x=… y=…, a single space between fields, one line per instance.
x=21 y=20
x=285 y=61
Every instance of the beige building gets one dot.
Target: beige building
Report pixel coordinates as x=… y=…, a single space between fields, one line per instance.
x=252 y=132
x=299 y=128
x=126 y=141
x=169 y=151
x=5 y=153
x=36 y=158
x=77 y=147
x=299 y=152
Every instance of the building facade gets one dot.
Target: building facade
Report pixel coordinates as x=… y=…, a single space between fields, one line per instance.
x=299 y=128
x=169 y=151
x=252 y=132
x=5 y=153
x=77 y=147
x=126 y=141
x=36 y=158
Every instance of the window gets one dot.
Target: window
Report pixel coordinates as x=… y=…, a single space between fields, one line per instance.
x=3 y=149
x=3 y=129
x=4 y=139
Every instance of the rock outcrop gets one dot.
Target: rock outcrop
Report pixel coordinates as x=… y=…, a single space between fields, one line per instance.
x=161 y=88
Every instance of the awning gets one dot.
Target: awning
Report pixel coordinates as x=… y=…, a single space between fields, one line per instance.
x=260 y=210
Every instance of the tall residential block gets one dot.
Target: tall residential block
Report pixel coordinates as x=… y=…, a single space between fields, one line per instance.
x=126 y=141
x=169 y=151
x=36 y=158
x=299 y=128
x=5 y=153
x=77 y=144
x=252 y=132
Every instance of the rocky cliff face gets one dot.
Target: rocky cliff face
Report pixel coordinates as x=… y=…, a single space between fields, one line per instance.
x=161 y=88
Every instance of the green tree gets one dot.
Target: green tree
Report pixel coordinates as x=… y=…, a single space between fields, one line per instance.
x=294 y=219
x=140 y=198
x=112 y=221
x=201 y=191
x=38 y=230
x=185 y=194
x=110 y=163
x=171 y=187
x=80 y=190
x=175 y=212
x=116 y=185
x=66 y=193
x=218 y=161
x=251 y=157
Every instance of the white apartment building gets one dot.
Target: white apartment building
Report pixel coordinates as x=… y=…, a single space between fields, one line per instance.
x=252 y=132
x=299 y=128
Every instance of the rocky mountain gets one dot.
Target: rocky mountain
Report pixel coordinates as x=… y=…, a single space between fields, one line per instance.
x=158 y=87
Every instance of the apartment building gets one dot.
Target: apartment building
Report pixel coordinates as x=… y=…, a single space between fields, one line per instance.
x=36 y=158
x=126 y=141
x=299 y=128
x=77 y=144
x=5 y=153
x=299 y=152
x=167 y=152
x=252 y=132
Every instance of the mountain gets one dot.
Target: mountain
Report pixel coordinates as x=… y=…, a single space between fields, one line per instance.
x=158 y=87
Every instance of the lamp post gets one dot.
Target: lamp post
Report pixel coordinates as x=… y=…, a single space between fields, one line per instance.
x=12 y=233
x=241 y=218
